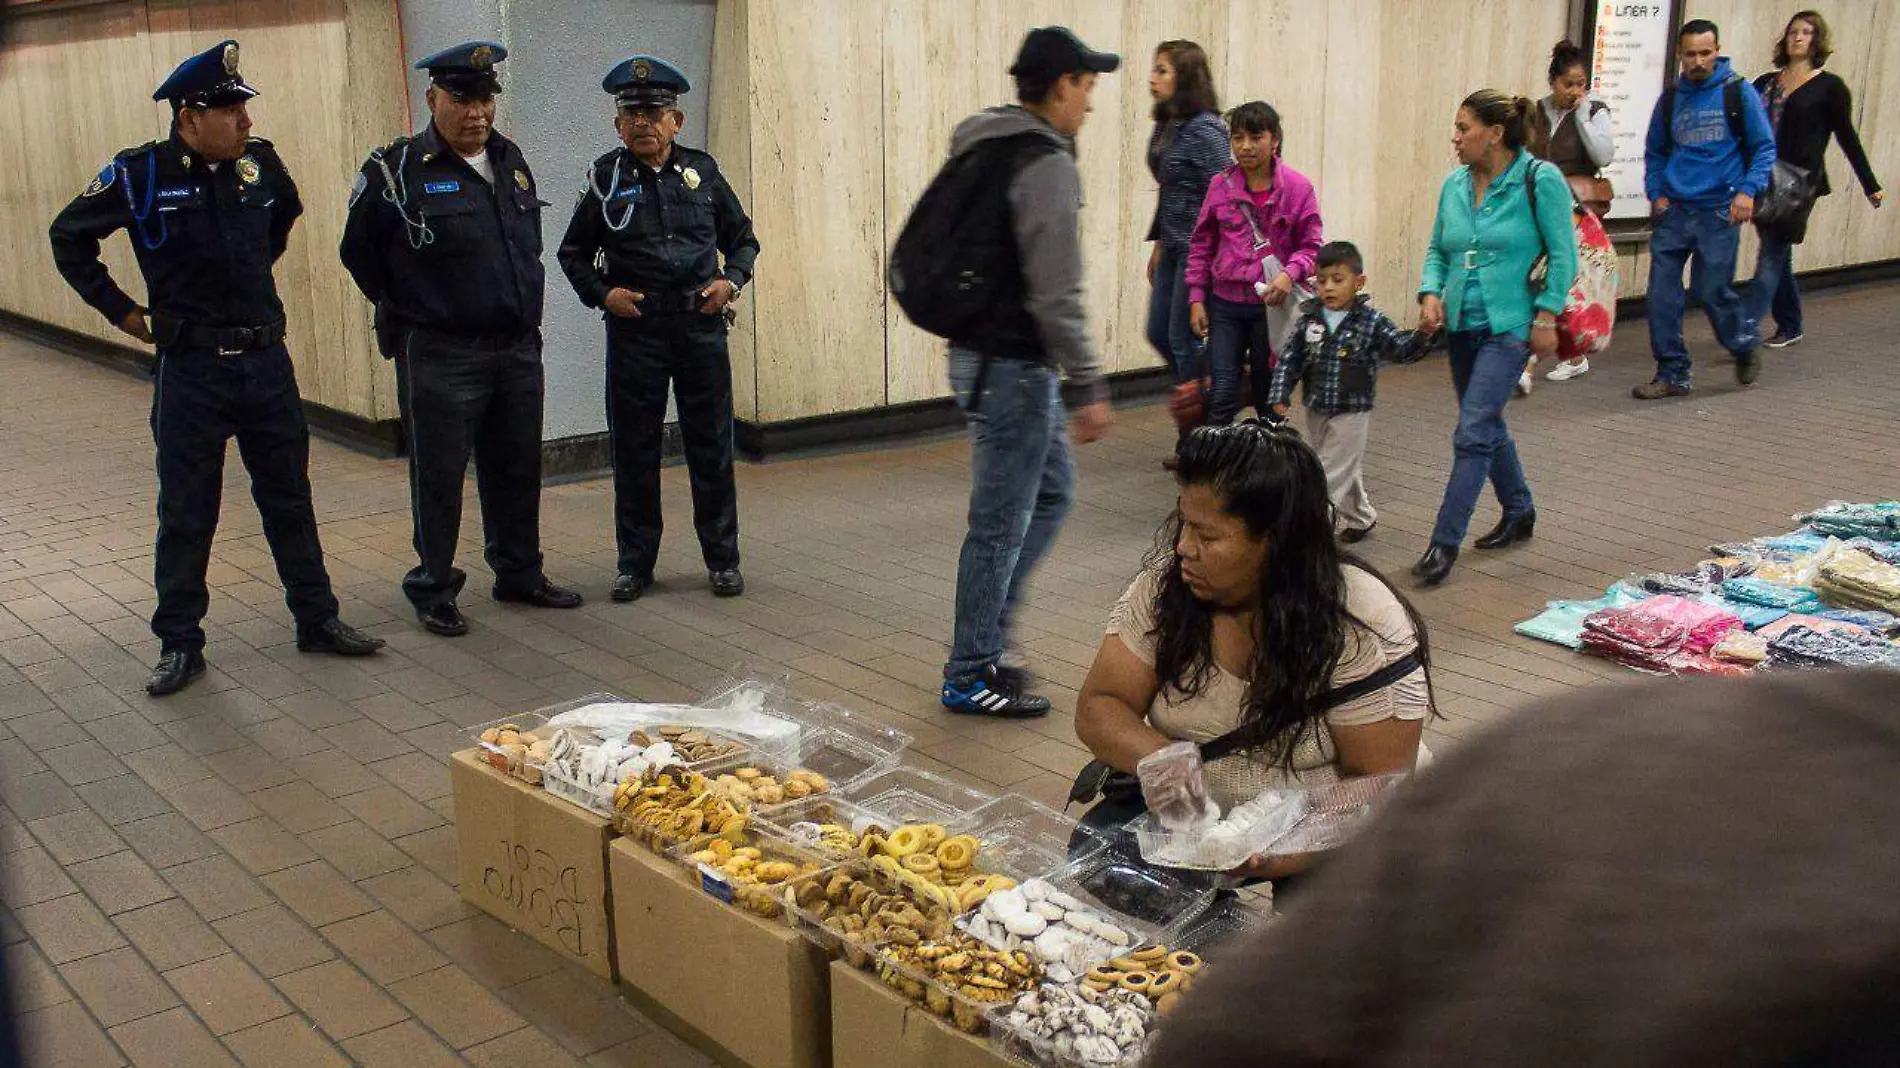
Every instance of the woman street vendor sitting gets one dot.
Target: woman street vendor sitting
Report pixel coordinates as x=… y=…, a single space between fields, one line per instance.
x=1249 y=621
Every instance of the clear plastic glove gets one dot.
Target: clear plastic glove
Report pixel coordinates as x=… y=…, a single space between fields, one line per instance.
x=1175 y=788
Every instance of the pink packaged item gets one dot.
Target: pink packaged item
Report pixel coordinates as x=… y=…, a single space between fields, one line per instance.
x=1704 y=623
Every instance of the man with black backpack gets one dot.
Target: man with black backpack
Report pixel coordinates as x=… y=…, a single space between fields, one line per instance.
x=1710 y=153
x=992 y=259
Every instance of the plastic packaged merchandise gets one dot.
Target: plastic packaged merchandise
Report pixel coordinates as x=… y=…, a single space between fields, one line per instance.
x=1879 y=521
x=1856 y=580
x=1804 y=647
x=1561 y=622
x=1758 y=591
x=1175 y=788
x=1226 y=844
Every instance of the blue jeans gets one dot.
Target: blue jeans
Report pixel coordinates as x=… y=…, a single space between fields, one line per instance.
x=1484 y=370
x=1021 y=485
x=1703 y=239
x=1774 y=290
x=1168 y=329
x=1236 y=338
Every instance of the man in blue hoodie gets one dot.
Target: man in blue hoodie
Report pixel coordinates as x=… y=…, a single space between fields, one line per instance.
x=1704 y=167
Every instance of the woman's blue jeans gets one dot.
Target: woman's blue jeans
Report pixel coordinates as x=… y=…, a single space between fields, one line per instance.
x=1484 y=371
x=1168 y=328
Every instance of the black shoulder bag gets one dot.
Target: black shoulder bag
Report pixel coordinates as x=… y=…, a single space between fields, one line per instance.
x=1098 y=780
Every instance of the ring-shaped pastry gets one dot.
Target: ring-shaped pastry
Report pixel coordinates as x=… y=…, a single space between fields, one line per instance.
x=1184 y=962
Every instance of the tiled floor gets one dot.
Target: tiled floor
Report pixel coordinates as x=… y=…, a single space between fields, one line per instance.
x=259 y=870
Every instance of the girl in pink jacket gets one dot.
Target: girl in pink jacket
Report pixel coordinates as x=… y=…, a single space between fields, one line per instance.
x=1258 y=213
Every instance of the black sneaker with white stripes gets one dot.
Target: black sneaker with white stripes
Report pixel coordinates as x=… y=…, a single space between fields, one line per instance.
x=991 y=695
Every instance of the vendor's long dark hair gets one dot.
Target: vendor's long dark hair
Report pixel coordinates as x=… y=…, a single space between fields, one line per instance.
x=1270 y=480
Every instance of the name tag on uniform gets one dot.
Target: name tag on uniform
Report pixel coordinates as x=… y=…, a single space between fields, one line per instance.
x=171 y=196
x=445 y=186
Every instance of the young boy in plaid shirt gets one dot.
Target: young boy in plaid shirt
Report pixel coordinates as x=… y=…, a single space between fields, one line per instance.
x=1334 y=353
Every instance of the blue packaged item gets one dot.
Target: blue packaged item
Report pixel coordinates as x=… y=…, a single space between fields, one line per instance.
x=1753 y=616
x=1876 y=621
x=1799 y=541
x=1770 y=595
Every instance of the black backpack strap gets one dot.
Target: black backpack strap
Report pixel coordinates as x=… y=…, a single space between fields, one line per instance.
x=1732 y=110
x=1236 y=740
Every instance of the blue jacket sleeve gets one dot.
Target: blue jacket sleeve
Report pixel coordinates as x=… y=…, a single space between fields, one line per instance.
x=1761 y=144
x=1656 y=150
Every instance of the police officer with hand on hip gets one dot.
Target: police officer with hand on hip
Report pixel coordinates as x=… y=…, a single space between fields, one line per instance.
x=444 y=236
x=210 y=210
x=645 y=244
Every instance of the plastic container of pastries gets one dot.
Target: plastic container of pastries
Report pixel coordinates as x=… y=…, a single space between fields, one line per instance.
x=1094 y=909
x=1105 y=1019
x=956 y=977
x=1265 y=817
x=849 y=908
x=1335 y=813
x=507 y=743
x=696 y=746
x=670 y=806
x=755 y=875
x=1026 y=836
x=765 y=781
x=844 y=747
x=912 y=795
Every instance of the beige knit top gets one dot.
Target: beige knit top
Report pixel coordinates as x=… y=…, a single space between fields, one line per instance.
x=1216 y=709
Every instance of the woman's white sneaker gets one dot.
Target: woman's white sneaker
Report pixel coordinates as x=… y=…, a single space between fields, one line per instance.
x=1564 y=372
x=1524 y=383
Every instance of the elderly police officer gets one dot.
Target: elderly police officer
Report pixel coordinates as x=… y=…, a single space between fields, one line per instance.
x=210 y=211
x=645 y=244
x=444 y=235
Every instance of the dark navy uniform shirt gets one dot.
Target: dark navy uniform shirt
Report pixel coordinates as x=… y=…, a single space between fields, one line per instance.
x=468 y=259
x=678 y=222
x=205 y=240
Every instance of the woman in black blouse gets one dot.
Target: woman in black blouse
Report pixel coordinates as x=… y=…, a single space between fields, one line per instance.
x=1806 y=106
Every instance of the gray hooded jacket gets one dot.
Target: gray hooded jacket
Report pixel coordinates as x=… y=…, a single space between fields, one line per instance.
x=1046 y=207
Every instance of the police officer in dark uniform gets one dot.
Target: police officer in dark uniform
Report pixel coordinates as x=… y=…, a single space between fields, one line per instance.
x=444 y=236
x=210 y=210
x=645 y=245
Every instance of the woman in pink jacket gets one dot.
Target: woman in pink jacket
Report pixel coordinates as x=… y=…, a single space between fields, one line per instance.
x=1259 y=214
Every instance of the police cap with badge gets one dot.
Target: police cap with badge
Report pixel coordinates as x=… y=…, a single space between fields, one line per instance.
x=467 y=69
x=209 y=79
x=645 y=82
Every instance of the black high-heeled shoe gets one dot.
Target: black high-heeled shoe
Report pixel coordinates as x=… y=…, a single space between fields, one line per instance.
x=1509 y=531
x=1435 y=565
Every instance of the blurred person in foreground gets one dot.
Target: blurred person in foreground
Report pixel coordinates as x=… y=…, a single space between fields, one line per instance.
x=1667 y=874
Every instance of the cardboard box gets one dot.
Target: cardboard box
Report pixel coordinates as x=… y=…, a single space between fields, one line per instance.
x=873 y=1026
x=754 y=990
x=534 y=862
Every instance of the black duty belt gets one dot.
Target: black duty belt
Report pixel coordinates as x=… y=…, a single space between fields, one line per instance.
x=498 y=341
x=660 y=301
x=224 y=340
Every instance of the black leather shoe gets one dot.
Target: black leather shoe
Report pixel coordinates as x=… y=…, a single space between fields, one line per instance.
x=443 y=619
x=1509 y=531
x=630 y=587
x=1355 y=535
x=176 y=669
x=335 y=636
x=546 y=595
x=728 y=583
x=1432 y=568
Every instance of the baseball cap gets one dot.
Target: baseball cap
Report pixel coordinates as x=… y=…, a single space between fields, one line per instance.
x=1050 y=52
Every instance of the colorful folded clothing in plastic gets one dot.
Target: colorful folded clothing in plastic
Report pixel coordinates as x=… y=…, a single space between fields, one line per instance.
x=1856 y=580
x=1704 y=624
x=1753 y=616
x=1561 y=622
x=1884 y=623
x=1770 y=594
x=1810 y=648
x=1634 y=639
x=1797 y=619
x=1740 y=647
x=1688 y=663
x=1680 y=584
x=1799 y=541
x=1879 y=521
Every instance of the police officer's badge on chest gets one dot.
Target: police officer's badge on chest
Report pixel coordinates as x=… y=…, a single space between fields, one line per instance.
x=691 y=178
x=521 y=179
x=247 y=170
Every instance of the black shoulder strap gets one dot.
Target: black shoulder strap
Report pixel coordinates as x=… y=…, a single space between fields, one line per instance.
x=1732 y=110
x=1236 y=740
x=1666 y=103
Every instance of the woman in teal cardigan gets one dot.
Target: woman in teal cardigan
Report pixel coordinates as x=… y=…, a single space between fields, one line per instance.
x=1489 y=232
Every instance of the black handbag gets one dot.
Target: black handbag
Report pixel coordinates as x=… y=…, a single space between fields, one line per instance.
x=1099 y=780
x=1790 y=194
